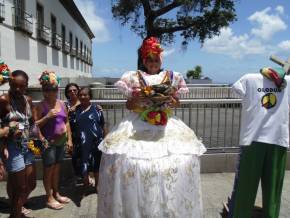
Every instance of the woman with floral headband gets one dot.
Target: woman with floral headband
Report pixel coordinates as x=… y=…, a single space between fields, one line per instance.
x=52 y=119
x=150 y=162
x=17 y=121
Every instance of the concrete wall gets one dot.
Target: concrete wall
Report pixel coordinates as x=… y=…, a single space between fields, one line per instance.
x=224 y=162
x=21 y=51
x=210 y=163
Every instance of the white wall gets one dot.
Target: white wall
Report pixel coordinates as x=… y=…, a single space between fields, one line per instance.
x=21 y=51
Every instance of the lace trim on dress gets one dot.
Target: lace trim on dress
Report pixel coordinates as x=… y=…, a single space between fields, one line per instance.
x=123 y=87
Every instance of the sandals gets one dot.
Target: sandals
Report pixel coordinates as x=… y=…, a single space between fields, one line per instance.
x=55 y=205
x=25 y=211
x=91 y=182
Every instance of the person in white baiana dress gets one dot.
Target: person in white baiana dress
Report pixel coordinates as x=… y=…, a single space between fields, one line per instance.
x=150 y=162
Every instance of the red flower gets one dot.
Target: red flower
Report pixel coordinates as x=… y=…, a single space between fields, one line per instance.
x=152 y=114
x=3 y=67
x=151 y=48
x=163 y=120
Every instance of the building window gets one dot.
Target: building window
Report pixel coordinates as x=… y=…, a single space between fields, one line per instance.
x=43 y=32
x=85 y=53
x=81 y=50
x=77 y=47
x=70 y=41
x=65 y=44
x=2 y=11
x=39 y=15
x=21 y=19
x=63 y=33
x=55 y=38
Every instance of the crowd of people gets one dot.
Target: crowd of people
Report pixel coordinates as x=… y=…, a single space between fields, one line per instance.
x=44 y=129
x=148 y=165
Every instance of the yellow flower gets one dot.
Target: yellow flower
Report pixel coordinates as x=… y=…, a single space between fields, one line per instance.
x=158 y=117
x=151 y=121
x=147 y=90
x=1 y=78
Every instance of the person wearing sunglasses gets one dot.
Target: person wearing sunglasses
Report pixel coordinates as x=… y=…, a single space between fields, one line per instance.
x=71 y=93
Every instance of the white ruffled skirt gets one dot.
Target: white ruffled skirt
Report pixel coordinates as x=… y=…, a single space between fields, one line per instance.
x=150 y=171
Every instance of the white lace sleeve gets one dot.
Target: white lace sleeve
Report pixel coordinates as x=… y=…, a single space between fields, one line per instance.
x=125 y=83
x=180 y=84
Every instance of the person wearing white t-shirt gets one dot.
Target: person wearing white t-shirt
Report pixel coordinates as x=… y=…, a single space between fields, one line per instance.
x=264 y=139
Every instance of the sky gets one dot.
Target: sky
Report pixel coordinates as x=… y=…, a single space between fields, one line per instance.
x=261 y=29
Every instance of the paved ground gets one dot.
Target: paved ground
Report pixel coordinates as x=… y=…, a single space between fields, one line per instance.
x=216 y=187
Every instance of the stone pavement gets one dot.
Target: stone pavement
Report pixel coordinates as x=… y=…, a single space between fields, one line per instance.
x=215 y=188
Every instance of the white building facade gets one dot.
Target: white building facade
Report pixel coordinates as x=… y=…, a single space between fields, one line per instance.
x=38 y=35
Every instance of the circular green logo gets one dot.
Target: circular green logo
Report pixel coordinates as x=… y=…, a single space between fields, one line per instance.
x=269 y=100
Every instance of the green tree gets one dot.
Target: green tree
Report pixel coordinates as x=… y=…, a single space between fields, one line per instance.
x=196 y=73
x=192 y=19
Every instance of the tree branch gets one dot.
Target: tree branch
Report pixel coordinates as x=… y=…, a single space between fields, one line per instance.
x=147 y=8
x=167 y=8
x=162 y=30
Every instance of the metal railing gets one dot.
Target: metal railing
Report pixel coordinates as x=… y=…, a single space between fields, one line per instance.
x=215 y=121
x=56 y=41
x=79 y=54
x=194 y=93
x=115 y=94
x=2 y=11
x=43 y=33
x=65 y=47
x=90 y=61
x=73 y=52
x=22 y=20
x=83 y=57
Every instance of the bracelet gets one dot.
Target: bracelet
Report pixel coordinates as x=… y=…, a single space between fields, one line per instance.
x=44 y=141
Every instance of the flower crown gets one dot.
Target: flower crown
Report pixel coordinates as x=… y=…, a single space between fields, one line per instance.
x=5 y=73
x=151 y=48
x=49 y=78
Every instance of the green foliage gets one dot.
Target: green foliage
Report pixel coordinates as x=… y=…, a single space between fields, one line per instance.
x=196 y=73
x=192 y=19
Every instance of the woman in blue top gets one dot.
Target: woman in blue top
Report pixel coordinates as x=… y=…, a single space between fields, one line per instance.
x=90 y=130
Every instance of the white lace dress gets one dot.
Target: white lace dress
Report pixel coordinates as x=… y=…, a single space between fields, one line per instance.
x=147 y=170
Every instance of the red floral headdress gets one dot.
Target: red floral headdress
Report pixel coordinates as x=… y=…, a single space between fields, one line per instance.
x=5 y=73
x=151 y=48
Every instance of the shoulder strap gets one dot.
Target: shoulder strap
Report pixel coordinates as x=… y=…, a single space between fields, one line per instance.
x=168 y=77
x=142 y=81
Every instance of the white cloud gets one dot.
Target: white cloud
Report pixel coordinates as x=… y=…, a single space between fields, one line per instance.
x=168 y=52
x=96 y=23
x=268 y=24
x=280 y=9
x=235 y=46
x=284 y=45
